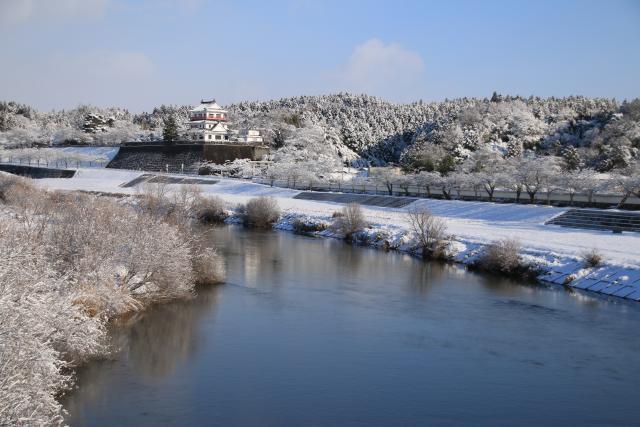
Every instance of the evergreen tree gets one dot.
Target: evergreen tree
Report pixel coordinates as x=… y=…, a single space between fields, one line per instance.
x=571 y=158
x=447 y=164
x=170 y=131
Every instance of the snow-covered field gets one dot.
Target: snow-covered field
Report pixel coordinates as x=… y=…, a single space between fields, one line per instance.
x=105 y=153
x=557 y=249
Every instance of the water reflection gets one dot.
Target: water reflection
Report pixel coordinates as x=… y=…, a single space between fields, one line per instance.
x=423 y=276
x=150 y=345
x=314 y=331
x=257 y=260
x=165 y=337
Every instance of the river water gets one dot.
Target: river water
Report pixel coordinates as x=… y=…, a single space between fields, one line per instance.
x=316 y=332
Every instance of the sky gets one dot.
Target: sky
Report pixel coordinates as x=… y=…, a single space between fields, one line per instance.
x=137 y=54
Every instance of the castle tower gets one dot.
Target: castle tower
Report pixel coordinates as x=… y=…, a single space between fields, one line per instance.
x=208 y=123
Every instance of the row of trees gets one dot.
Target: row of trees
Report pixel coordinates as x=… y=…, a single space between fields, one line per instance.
x=51 y=157
x=483 y=174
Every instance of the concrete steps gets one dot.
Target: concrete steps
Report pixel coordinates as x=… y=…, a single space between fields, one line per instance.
x=598 y=220
x=362 y=199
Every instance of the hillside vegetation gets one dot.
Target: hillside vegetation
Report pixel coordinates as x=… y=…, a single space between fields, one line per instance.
x=599 y=133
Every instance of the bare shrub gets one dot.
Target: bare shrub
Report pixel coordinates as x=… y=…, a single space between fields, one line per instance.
x=185 y=198
x=154 y=198
x=429 y=232
x=592 y=258
x=8 y=181
x=502 y=256
x=301 y=226
x=173 y=205
x=261 y=212
x=208 y=267
x=351 y=221
x=32 y=205
x=210 y=209
x=91 y=238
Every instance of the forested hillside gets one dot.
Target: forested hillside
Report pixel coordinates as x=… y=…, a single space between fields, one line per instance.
x=592 y=132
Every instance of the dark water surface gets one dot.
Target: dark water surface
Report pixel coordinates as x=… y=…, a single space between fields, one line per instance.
x=315 y=332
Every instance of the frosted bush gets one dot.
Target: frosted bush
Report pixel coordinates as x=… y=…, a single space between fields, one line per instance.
x=69 y=263
x=260 y=212
x=208 y=267
x=210 y=209
x=42 y=331
x=350 y=221
x=148 y=252
x=503 y=256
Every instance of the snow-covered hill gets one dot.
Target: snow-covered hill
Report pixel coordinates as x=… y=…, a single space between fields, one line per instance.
x=601 y=133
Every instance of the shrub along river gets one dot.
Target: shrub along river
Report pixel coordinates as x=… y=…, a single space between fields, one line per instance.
x=311 y=331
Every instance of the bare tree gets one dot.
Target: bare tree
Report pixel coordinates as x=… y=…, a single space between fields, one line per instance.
x=514 y=177
x=388 y=178
x=404 y=182
x=428 y=230
x=629 y=182
x=428 y=180
x=487 y=169
x=537 y=174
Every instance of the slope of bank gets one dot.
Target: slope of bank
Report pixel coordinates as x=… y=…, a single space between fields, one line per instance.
x=555 y=249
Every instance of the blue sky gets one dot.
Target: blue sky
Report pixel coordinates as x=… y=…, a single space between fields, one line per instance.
x=142 y=53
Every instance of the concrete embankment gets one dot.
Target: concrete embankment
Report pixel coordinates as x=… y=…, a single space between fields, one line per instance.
x=36 y=172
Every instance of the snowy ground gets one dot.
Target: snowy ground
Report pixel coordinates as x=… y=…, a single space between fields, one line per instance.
x=473 y=224
x=107 y=153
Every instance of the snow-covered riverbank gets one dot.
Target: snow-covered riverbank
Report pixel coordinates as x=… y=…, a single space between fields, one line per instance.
x=556 y=250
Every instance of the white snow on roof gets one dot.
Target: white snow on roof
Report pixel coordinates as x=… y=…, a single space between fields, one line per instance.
x=208 y=106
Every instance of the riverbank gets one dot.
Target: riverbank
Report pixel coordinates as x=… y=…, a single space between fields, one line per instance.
x=62 y=282
x=606 y=279
x=555 y=250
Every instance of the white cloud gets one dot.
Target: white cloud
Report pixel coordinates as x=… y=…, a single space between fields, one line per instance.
x=17 y=12
x=387 y=70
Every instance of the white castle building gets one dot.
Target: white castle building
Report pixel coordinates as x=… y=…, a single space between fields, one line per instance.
x=208 y=122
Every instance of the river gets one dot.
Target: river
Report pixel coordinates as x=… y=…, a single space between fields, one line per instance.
x=310 y=331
